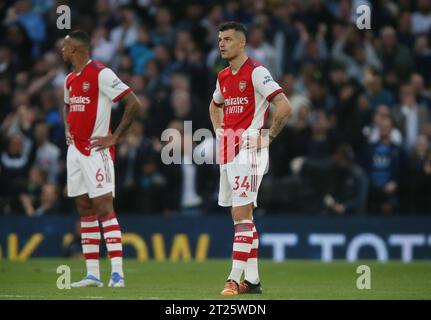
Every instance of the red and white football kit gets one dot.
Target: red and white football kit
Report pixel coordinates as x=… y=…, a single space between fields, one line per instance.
x=245 y=96
x=89 y=95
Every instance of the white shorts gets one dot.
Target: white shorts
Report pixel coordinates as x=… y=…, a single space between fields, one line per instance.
x=241 y=178
x=93 y=174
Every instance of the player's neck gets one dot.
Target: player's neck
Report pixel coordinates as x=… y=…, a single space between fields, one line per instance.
x=237 y=63
x=80 y=63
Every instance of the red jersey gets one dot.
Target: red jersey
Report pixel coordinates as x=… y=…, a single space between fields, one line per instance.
x=89 y=95
x=246 y=97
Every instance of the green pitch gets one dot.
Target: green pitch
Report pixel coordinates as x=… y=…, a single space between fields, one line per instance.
x=37 y=278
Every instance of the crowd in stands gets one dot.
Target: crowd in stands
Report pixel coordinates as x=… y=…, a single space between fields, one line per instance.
x=357 y=141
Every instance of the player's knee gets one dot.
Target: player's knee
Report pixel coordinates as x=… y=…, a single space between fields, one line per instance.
x=86 y=211
x=242 y=212
x=104 y=208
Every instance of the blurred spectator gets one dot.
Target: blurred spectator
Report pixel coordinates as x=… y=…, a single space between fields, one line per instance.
x=15 y=162
x=384 y=164
x=394 y=56
x=355 y=54
x=319 y=96
x=47 y=154
x=375 y=92
x=30 y=195
x=423 y=97
x=417 y=179
x=424 y=183
x=31 y=21
x=348 y=184
x=311 y=49
x=141 y=51
x=422 y=56
x=259 y=49
x=126 y=33
x=373 y=132
x=410 y=117
x=322 y=141
x=339 y=185
x=163 y=32
x=49 y=202
x=421 y=19
x=103 y=49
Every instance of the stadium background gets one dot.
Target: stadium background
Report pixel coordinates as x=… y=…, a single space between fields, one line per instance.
x=347 y=87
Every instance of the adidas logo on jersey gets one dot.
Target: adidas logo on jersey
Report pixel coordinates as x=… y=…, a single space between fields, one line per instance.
x=99 y=185
x=243 y=195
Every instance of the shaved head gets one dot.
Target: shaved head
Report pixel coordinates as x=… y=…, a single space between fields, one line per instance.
x=80 y=38
x=76 y=46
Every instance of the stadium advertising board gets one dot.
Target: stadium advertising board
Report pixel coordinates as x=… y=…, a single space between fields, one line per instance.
x=209 y=237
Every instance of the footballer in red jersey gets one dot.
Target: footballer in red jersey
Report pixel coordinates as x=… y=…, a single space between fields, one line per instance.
x=89 y=91
x=240 y=104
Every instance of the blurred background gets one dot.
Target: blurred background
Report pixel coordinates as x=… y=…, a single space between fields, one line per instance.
x=358 y=140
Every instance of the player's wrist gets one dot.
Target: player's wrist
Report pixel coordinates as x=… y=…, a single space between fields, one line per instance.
x=115 y=137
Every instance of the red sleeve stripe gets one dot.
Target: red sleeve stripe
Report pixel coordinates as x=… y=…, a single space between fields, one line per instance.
x=268 y=98
x=122 y=94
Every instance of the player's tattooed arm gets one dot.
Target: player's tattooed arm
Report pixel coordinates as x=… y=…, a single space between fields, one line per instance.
x=216 y=114
x=132 y=106
x=281 y=115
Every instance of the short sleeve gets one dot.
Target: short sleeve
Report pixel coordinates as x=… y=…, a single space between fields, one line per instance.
x=66 y=93
x=111 y=86
x=264 y=84
x=217 y=95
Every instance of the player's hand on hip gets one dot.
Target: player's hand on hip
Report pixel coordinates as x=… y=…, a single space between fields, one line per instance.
x=69 y=138
x=254 y=142
x=101 y=143
x=219 y=133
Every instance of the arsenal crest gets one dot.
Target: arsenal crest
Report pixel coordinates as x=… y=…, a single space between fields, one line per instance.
x=85 y=86
x=242 y=85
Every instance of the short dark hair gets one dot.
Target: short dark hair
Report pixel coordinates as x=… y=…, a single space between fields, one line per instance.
x=81 y=36
x=233 y=25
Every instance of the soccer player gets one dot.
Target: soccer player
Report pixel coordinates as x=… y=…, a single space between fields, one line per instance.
x=89 y=92
x=238 y=111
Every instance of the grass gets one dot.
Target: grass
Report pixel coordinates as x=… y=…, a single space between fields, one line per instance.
x=37 y=278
